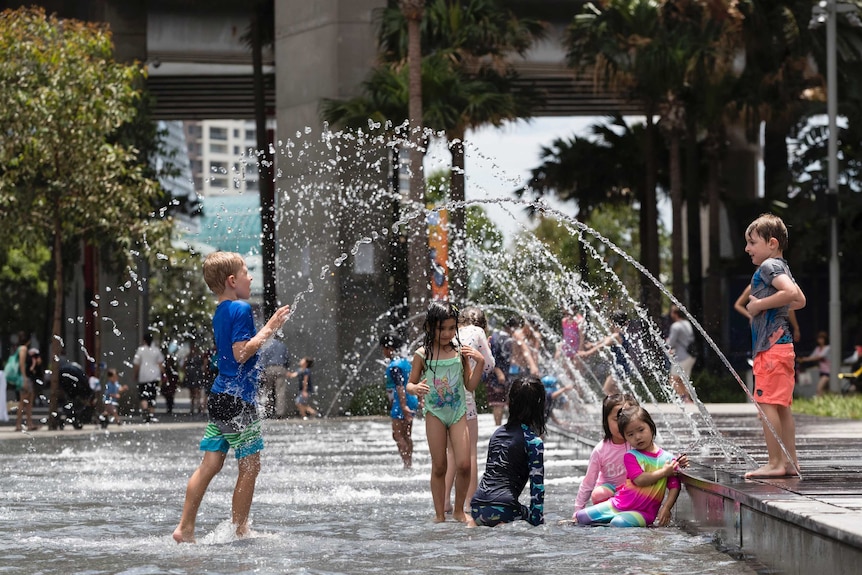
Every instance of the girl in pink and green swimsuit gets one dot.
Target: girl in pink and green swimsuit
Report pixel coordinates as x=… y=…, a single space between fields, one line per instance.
x=650 y=471
x=445 y=374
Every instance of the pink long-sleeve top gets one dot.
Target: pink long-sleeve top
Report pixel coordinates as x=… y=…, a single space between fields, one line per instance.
x=606 y=466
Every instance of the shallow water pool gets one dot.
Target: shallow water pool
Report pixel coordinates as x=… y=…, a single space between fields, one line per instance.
x=331 y=498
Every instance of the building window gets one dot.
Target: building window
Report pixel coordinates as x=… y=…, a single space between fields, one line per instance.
x=218 y=167
x=217 y=148
x=219 y=182
x=251 y=135
x=251 y=185
x=363 y=261
x=218 y=133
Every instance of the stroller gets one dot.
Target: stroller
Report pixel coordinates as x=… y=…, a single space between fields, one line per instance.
x=79 y=405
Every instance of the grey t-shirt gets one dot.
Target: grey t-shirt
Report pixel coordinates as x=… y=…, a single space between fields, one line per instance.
x=771 y=326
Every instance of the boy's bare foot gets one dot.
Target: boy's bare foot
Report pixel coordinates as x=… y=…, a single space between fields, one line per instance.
x=459 y=516
x=471 y=523
x=766 y=471
x=439 y=518
x=181 y=537
x=243 y=531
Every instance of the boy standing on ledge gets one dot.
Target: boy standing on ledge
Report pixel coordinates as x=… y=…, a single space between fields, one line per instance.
x=774 y=293
x=232 y=403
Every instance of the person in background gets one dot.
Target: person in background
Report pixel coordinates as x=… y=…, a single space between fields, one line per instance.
x=498 y=385
x=821 y=356
x=30 y=363
x=149 y=365
x=170 y=381
x=195 y=374
x=680 y=337
x=275 y=360
x=306 y=388
x=471 y=332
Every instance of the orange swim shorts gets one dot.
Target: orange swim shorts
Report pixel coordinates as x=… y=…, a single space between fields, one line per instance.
x=775 y=375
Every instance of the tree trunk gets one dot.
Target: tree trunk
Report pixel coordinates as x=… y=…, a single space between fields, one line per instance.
x=97 y=311
x=458 y=273
x=676 y=237
x=265 y=162
x=776 y=173
x=418 y=262
x=712 y=313
x=56 y=326
x=649 y=224
x=692 y=184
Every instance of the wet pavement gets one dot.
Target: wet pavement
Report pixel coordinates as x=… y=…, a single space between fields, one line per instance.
x=791 y=524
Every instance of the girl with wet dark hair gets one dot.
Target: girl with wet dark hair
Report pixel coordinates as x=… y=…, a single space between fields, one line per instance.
x=515 y=455
x=441 y=374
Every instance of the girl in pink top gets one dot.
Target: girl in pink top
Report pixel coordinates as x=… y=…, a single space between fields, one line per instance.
x=650 y=472
x=606 y=472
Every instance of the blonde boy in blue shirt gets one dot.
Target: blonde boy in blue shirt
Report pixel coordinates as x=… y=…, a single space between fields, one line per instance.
x=233 y=420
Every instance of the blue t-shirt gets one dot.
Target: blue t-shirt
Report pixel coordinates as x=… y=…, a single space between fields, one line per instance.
x=397 y=374
x=233 y=322
x=112 y=388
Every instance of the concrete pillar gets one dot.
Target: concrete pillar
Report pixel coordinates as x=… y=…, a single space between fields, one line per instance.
x=325 y=49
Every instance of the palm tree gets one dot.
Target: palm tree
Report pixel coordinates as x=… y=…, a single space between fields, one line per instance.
x=591 y=171
x=473 y=38
x=621 y=42
x=703 y=42
x=416 y=248
x=261 y=33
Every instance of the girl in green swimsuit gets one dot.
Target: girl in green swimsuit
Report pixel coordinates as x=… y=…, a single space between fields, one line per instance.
x=445 y=374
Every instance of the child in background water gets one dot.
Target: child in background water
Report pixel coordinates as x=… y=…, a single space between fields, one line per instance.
x=606 y=472
x=650 y=471
x=113 y=390
x=515 y=455
x=403 y=406
x=445 y=376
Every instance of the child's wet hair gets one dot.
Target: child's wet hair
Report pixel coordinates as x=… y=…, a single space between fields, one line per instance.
x=438 y=312
x=309 y=362
x=218 y=266
x=474 y=316
x=391 y=341
x=769 y=226
x=635 y=413
x=610 y=403
x=527 y=399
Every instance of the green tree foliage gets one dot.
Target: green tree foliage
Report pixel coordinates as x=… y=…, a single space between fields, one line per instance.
x=61 y=177
x=181 y=303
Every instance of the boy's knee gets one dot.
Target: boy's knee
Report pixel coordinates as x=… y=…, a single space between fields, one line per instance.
x=249 y=465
